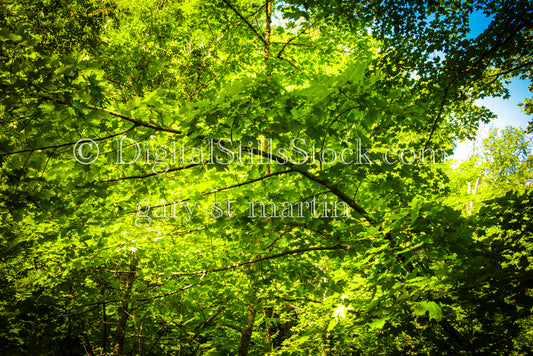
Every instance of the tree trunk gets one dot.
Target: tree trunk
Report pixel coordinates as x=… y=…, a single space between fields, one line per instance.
x=123 y=309
x=268 y=18
x=246 y=334
x=269 y=313
x=268 y=15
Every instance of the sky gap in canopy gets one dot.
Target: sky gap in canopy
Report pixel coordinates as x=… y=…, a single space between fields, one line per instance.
x=507 y=110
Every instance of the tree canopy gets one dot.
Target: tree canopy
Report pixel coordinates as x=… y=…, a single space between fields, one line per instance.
x=261 y=177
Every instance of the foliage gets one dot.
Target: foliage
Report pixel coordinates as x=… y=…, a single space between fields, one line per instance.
x=510 y=160
x=202 y=110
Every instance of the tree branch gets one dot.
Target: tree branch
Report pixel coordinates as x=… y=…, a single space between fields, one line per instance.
x=135 y=121
x=290 y=40
x=117 y=114
x=154 y=174
x=65 y=144
x=320 y=181
x=245 y=263
x=246 y=22
x=477 y=62
x=225 y=188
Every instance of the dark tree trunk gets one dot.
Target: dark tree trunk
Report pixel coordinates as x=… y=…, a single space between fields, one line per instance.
x=123 y=309
x=247 y=331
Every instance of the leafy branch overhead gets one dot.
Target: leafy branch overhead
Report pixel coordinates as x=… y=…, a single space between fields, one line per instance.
x=264 y=177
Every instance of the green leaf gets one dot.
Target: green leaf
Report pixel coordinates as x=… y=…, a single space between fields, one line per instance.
x=435 y=311
x=378 y=323
x=332 y=323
